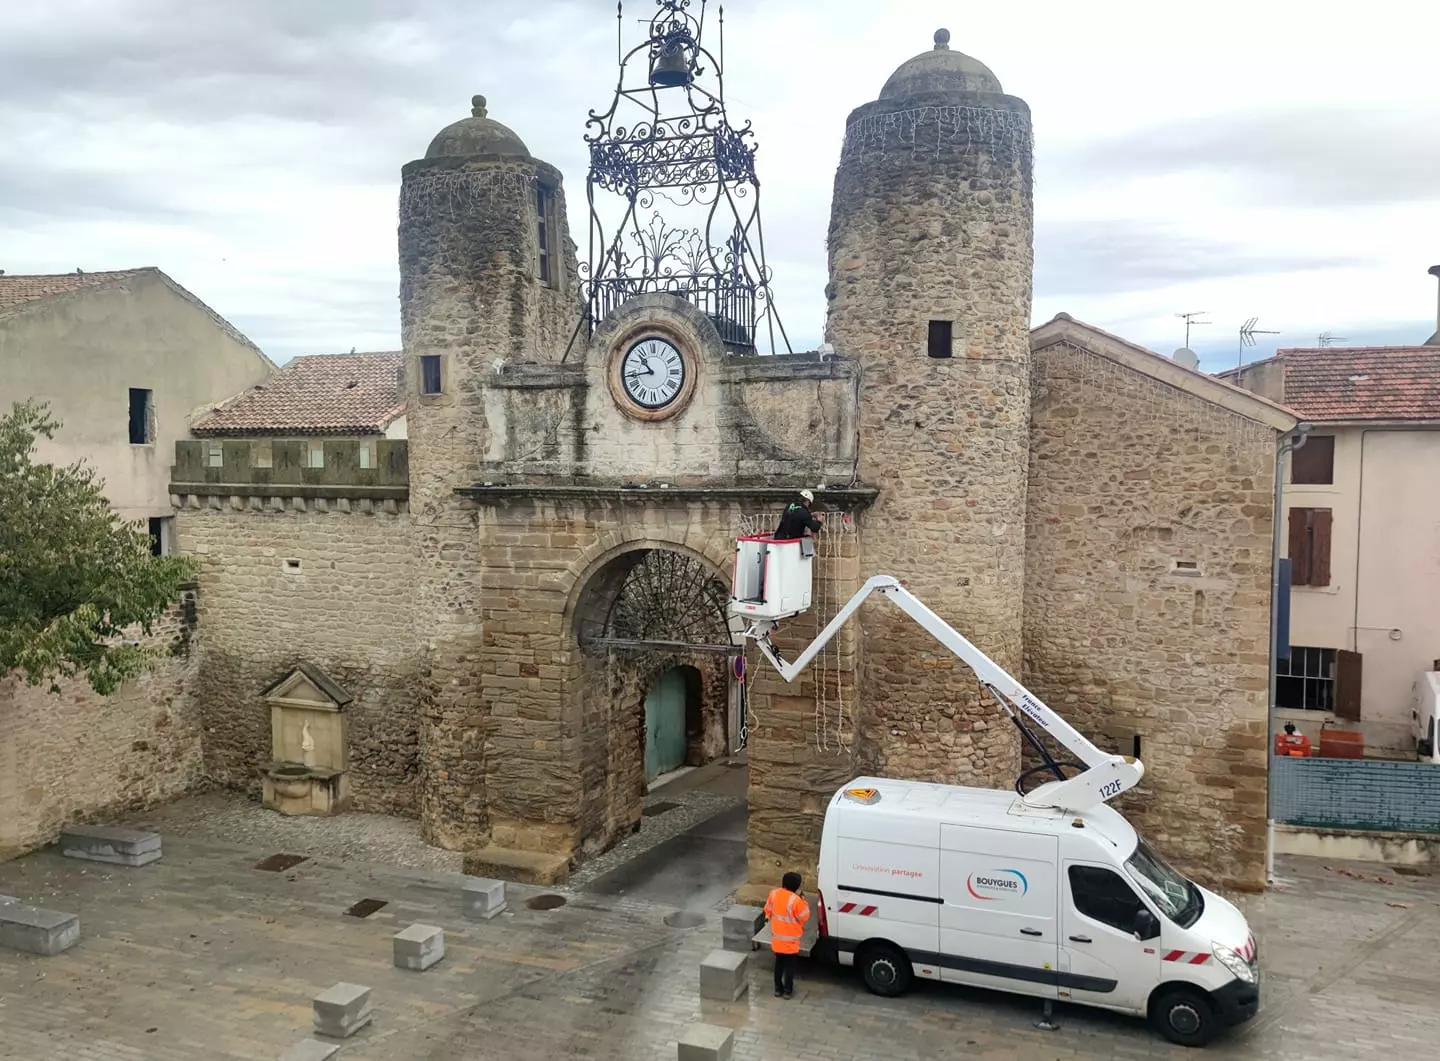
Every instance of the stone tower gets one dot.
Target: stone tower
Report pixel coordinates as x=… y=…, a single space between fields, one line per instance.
x=930 y=249
x=487 y=277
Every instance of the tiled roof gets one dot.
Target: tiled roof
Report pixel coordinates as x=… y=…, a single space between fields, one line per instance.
x=18 y=290
x=319 y=394
x=1363 y=382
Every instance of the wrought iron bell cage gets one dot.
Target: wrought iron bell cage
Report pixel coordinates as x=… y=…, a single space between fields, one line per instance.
x=667 y=139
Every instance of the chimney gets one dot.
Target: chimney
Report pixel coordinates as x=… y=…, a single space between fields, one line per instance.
x=1434 y=340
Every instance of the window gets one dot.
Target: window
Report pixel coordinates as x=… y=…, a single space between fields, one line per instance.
x=1314 y=462
x=1310 y=546
x=941 y=338
x=1104 y=896
x=214 y=455
x=1177 y=898
x=1306 y=681
x=142 y=417
x=367 y=455
x=264 y=453
x=315 y=455
x=162 y=530
x=544 y=213
x=430 y=374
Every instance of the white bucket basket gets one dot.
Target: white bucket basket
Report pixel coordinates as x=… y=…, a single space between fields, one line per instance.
x=772 y=577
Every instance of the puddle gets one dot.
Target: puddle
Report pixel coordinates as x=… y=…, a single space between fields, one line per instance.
x=279 y=863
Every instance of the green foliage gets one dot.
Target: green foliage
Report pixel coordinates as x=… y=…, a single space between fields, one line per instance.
x=74 y=579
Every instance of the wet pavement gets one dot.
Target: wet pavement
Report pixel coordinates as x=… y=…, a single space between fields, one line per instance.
x=696 y=870
x=204 y=955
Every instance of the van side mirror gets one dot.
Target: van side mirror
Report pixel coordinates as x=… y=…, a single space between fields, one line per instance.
x=1146 y=925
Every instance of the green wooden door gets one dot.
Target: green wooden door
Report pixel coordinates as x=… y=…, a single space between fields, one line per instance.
x=665 y=724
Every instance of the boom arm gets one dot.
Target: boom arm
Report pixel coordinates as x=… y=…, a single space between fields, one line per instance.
x=1105 y=776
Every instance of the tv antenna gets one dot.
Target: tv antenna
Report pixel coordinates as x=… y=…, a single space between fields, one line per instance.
x=1190 y=322
x=1248 y=331
x=1328 y=339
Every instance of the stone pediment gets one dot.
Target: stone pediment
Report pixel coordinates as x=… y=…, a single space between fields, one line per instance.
x=307 y=686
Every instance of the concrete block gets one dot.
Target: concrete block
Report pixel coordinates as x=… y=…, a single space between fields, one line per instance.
x=35 y=930
x=483 y=898
x=739 y=926
x=310 y=1050
x=706 y=1042
x=104 y=843
x=419 y=947
x=723 y=976
x=343 y=1010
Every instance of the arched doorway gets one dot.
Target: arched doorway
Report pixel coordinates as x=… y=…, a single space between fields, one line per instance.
x=656 y=675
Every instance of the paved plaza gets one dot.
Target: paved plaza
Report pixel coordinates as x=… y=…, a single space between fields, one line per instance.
x=203 y=955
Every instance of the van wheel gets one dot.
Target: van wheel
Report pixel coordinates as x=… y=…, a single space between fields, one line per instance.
x=1184 y=1016
x=885 y=969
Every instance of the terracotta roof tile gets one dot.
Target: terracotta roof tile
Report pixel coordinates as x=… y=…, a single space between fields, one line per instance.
x=318 y=394
x=18 y=290
x=1363 y=382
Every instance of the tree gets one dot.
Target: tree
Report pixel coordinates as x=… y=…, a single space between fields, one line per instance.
x=75 y=580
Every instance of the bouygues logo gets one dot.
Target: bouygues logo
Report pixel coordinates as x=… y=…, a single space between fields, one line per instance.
x=995 y=884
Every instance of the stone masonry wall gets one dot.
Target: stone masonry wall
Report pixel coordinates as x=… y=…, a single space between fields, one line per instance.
x=1131 y=483
x=348 y=609
x=803 y=734
x=78 y=756
x=537 y=713
x=932 y=221
x=470 y=293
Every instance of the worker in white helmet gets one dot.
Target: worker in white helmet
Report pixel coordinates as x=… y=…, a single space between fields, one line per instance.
x=798 y=519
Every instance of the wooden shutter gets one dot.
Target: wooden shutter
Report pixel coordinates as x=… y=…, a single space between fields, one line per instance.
x=1347 y=685
x=1320 y=520
x=1314 y=462
x=1299 y=547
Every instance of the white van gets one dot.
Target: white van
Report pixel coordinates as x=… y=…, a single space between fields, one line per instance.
x=969 y=885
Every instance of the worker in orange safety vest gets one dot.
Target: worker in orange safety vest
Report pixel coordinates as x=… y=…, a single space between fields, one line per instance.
x=788 y=911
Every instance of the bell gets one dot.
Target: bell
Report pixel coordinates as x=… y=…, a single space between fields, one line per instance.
x=671 y=67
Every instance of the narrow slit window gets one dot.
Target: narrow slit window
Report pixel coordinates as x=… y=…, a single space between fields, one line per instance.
x=941 y=339
x=142 y=417
x=215 y=455
x=543 y=200
x=367 y=455
x=430 y=382
x=264 y=455
x=317 y=454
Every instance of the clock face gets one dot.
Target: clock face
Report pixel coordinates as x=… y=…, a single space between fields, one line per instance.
x=653 y=373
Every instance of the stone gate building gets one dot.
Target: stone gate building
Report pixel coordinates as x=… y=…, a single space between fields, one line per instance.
x=520 y=606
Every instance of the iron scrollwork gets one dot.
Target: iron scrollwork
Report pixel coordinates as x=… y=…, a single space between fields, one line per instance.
x=669 y=141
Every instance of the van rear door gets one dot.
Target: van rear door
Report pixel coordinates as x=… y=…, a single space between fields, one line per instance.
x=998 y=924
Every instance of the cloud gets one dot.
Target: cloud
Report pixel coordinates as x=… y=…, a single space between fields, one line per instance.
x=1116 y=255
x=252 y=148
x=1317 y=156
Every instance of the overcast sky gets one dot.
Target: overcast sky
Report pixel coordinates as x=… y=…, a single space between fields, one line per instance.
x=1257 y=158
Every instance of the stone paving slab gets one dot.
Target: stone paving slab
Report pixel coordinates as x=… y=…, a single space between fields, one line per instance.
x=206 y=956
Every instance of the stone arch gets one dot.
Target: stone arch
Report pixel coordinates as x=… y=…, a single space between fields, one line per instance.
x=615 y=679
x=657 y=597
x=591 y=561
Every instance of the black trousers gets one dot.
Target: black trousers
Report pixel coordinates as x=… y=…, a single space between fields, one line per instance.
x=785 y=973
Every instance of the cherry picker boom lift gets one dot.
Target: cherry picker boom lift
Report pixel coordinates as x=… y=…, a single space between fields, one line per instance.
x=773 y=577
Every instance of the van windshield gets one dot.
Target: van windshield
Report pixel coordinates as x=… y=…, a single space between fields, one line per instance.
x=1177 y=898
